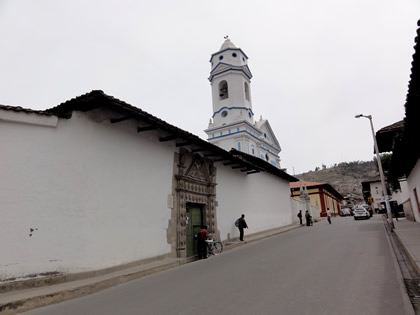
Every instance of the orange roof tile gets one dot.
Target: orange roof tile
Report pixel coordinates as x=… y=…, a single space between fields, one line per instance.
x=304 y=183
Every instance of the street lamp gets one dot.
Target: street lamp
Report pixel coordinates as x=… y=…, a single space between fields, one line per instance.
x=381 y=172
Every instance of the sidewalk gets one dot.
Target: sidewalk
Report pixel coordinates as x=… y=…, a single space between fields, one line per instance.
x=68 y=287
x=408 y=233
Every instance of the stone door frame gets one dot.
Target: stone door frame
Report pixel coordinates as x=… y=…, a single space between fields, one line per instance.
x=194 y=182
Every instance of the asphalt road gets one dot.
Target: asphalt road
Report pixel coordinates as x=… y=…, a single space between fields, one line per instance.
x=342 y=268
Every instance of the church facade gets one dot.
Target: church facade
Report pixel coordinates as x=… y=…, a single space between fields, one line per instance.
x=95 y=183
x=232 y=124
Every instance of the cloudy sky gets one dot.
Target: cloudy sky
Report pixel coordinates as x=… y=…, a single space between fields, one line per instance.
x=315 y=63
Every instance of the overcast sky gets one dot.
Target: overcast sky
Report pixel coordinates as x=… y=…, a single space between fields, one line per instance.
x=315 y=63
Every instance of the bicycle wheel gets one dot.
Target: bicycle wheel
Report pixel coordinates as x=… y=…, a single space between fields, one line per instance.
x=217 y=248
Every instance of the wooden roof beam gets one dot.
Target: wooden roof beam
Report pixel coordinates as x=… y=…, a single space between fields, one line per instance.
x=220 y=159
x=198 y=150
x=117 y=120
x=253 y=172
x=182 y=144
x=211 y=154
x=167 y=138
x=146 y=128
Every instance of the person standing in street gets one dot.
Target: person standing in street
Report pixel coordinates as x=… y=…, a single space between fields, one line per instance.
x=241 y=226
x=329 y=215
x=201 y=242
x=307 y=218
x=300 y=216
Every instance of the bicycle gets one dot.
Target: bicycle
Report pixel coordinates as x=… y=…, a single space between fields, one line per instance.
x=214 y=247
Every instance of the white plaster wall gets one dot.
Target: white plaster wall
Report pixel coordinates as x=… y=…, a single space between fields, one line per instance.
x=262 y=197
x=94 y=193
x=405 y=193
x=296 y=206
x=377 y=194
x=413 y=182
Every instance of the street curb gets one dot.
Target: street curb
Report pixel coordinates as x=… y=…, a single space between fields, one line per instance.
x=59 y=278
x=408 y=306
x=64 y=295
x=236 y=244
x=407 y=252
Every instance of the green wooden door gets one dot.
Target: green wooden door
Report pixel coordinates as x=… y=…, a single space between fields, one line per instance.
x=194 y=214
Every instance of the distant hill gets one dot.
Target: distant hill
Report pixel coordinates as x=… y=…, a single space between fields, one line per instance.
x=345 y=177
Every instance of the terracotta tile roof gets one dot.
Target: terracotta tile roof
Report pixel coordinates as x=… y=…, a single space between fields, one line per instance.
x=296 y=186
x=305 y=183
x=406 y=151
x=123 y=111
x=388 y=136
x=394 y=127
x=19 y=109
x=263 y=164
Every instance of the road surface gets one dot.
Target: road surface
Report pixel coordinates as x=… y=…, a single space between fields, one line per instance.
x=342 y=268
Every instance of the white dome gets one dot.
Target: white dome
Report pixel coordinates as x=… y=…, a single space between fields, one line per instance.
x=227 y=44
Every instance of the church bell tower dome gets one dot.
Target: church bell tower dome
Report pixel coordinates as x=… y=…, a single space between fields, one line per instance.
x=230 y=79
x=232 y=123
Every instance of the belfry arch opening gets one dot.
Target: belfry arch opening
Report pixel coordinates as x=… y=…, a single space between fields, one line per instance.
x=246 y=87
x=223 y=90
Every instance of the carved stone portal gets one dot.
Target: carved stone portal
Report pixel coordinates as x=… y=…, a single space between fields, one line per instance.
x=194 y=182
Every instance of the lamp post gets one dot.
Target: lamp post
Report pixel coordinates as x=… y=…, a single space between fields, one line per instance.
x=381 y=172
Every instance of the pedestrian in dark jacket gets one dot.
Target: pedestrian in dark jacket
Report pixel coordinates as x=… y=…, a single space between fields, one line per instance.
x=201 y=242
x=300 y=216
x=241 y=226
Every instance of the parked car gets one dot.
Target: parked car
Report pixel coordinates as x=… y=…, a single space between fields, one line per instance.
x=369 y=209
x=361 y=213
x=345 y=212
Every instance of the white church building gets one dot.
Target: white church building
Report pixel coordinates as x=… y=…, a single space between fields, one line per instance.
x=232 y=124
x=95 y=183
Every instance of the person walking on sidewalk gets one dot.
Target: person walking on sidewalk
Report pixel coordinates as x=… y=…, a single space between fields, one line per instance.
x=395 y=212
x=329 y=215
x=300 y=216
x=241 y=226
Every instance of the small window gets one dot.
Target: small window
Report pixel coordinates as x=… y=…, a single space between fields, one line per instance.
x=239 y=146
x=223 y=90
x=220 y=57
x=234 y=55
x=237 y=129
x=267 y=158
x=224 y=113
x=229 y=131
x=243 y=59
x=249 y=115
x=265 y=135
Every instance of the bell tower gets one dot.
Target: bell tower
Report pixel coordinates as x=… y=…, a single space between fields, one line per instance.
x=232 y=124
x=230 y=80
